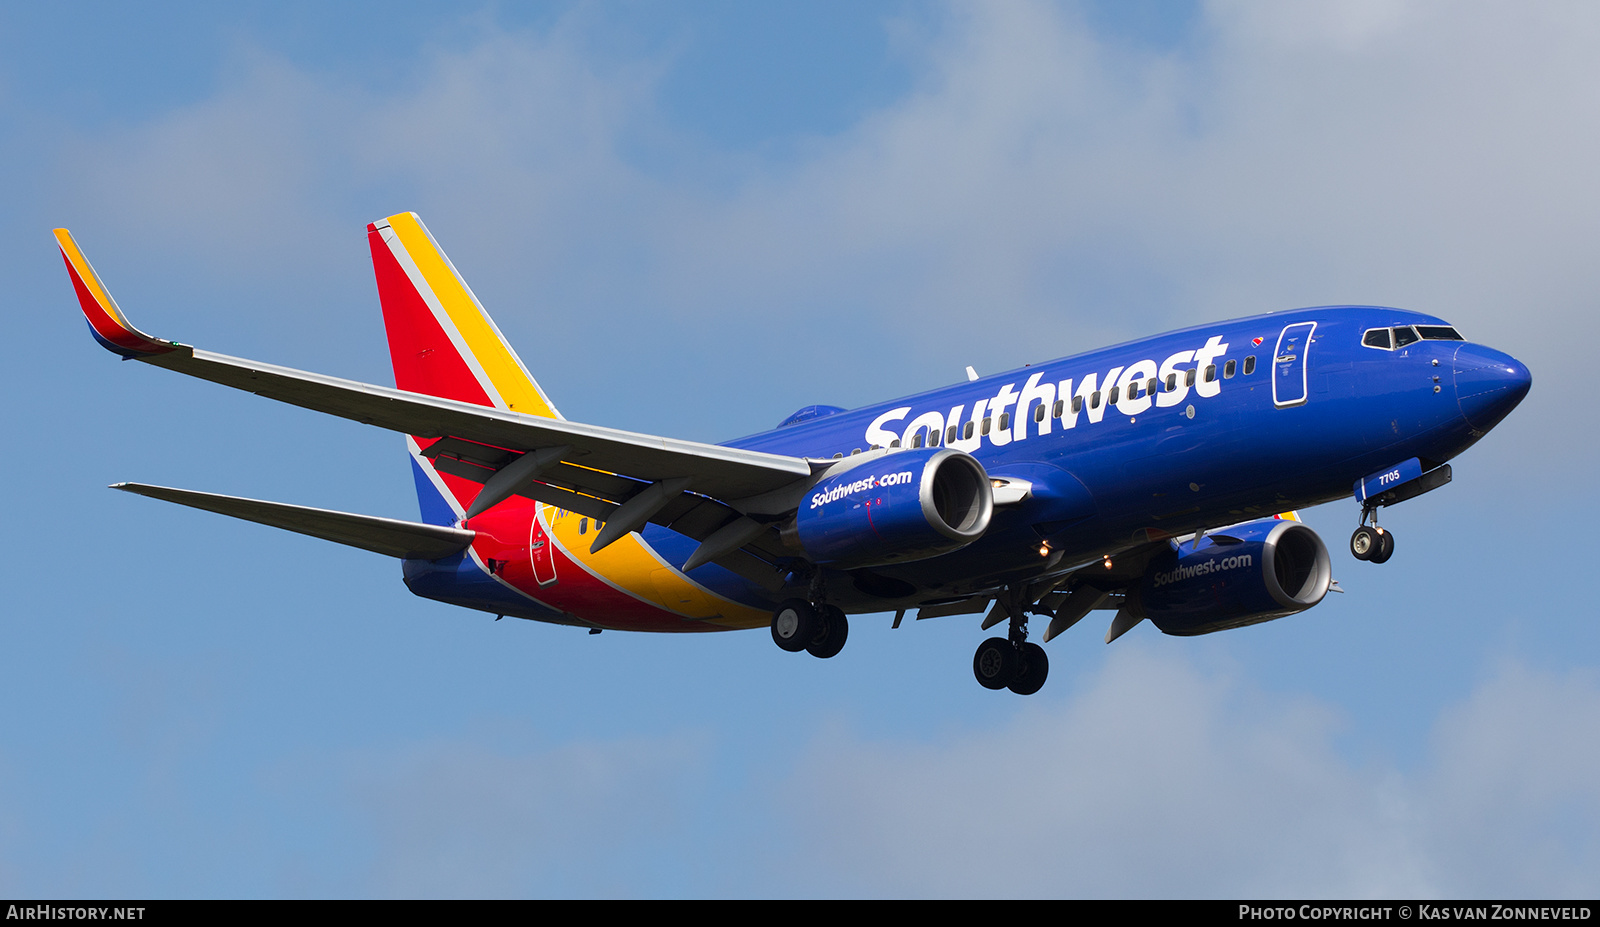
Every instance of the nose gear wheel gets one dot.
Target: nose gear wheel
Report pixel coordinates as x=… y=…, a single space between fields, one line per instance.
x=1370 y=542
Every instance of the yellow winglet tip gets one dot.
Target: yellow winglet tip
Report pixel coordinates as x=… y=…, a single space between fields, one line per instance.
x=106 y=321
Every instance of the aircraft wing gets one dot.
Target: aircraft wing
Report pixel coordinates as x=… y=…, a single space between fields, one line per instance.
x=388 y=536
x=706 y=469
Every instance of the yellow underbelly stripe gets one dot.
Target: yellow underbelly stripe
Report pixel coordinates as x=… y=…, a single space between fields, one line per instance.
x=632 y=566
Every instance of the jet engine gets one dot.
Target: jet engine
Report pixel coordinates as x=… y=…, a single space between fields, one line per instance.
x=1241 y=575
x=901 y=506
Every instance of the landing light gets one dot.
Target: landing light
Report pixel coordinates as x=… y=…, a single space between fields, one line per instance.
x=1108 y=561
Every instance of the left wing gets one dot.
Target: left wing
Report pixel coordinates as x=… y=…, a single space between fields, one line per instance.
x=725 y=473
x=388 y=536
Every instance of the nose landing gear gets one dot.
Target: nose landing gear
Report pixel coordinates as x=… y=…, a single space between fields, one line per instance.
x=1371 y=543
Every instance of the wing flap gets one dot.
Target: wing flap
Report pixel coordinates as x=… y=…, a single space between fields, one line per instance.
x=388 y=536
x=585 y=490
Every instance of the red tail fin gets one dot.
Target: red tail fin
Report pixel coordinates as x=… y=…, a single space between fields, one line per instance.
x=441 y=342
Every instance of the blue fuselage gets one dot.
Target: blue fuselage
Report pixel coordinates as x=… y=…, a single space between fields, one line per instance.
x=1197 y=428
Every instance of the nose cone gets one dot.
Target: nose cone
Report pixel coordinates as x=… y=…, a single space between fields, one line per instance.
x=1489 y=384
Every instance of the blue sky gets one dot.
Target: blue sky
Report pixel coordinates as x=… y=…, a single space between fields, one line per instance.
x=692 y=219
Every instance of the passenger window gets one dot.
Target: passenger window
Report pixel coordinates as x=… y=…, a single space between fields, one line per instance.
x=1038 y=412
x=895 y=443
x=1077 y=404
x=1403 y=335
x=1150 y=387
x=967 y=434
x=1211 y=373
x=1172 y=383
x=1250 y=365
x=855 y=452
x=1133 y=390
x=1094 y=399
x=950 y=433
x=916 y=441
x=1005 y=420
x=583 y=526
x=1229 y=369
x=1116 y=392
x=839 y=456
x=986 y=424
x=1188 y=377
x=1377 y=338
x=1061 y=407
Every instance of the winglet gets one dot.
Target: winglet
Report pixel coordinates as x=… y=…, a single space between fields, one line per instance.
x=106 y=322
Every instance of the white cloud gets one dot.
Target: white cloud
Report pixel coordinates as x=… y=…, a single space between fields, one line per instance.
x=233 y=177
x=463 y=819
x=1162 y=780
x=1039 y=191
x=1512 y=803
x=1154 y=779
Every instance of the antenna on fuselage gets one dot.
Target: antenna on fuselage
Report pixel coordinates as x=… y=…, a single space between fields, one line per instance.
x=971 y=374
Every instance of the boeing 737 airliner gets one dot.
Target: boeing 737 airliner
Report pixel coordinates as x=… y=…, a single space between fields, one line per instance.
x=1156 y=479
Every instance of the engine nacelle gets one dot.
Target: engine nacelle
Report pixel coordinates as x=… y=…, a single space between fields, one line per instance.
x=1245 y=574
x=902 y=506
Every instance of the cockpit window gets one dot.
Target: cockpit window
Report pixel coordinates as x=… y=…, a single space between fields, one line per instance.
x=1401 y=335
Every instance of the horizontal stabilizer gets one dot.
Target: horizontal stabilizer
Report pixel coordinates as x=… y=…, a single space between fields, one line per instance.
x=388 y=536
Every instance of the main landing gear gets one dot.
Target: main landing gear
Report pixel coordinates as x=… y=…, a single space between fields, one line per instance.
x=1012 y=662
x=820 y=630
x=1000 y=664
x=1370 y=542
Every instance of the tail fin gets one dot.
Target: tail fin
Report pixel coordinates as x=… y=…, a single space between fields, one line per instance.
x=441 y=341
x=443 y=344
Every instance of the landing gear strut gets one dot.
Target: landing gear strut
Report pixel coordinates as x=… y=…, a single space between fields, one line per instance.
x=819 y=629
x=1371 y=542
x=1012 y=662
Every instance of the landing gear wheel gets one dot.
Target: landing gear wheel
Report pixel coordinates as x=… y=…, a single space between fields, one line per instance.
x=1364 y=543
x=795 y=624
x=996 y=663
x=831 y=639
x=1035 y=667
x=1385 y=547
